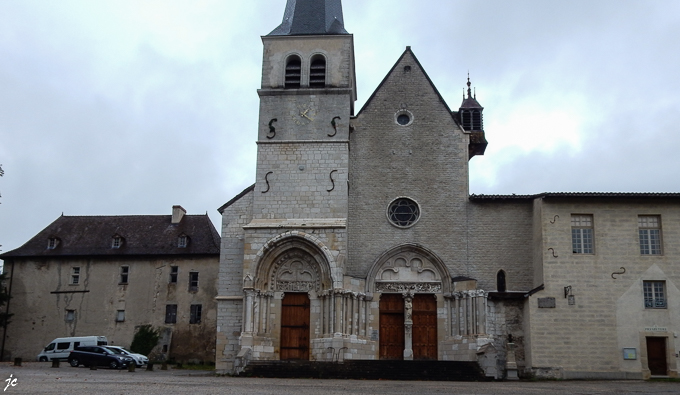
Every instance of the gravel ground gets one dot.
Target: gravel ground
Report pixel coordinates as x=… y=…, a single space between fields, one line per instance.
x=41 y=378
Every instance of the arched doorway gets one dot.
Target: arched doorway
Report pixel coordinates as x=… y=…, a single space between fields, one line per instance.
x=408 y=278
x=291 y=273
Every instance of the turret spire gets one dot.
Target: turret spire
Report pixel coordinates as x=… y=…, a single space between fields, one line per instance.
x=311 y=17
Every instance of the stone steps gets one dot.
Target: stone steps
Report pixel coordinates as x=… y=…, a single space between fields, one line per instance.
x=368 y=370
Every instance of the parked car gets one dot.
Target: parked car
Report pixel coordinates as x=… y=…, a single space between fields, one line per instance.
x=98 y=356
x=140 y=360
x=61 y=347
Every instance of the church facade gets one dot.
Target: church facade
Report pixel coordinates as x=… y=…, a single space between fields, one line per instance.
x=360 y=239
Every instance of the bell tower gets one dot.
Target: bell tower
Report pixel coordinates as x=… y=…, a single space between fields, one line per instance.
x=307 y=96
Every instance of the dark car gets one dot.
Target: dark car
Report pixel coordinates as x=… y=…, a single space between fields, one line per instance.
x=98 y=356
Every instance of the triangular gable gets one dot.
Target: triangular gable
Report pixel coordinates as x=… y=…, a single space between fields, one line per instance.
x=408 y=51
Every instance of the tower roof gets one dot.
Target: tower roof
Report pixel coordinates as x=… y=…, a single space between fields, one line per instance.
x=311 y=17
x=470 y=101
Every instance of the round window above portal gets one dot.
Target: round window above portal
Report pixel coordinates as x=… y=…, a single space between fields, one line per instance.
x=403 y=212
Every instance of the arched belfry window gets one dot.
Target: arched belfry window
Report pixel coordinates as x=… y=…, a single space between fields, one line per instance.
x=317 y=72
x=500 y=281
x=293 y=72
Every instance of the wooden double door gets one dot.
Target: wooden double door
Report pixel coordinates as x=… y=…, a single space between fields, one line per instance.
x=392 y=326
x=295 y=326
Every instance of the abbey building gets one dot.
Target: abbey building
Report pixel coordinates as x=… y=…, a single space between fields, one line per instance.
x=360 y=238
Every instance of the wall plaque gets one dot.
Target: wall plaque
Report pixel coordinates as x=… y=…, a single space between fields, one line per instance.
x=546 y=303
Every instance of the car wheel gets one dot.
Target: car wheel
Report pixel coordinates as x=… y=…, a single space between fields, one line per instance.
x=43 y=359
x=74 y=362
x=113 y=365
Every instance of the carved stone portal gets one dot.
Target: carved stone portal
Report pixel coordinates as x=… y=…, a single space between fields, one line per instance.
x=295 y=271
x=408 y=271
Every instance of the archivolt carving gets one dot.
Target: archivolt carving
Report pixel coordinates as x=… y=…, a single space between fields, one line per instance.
x=409 y=267
x=296 y=271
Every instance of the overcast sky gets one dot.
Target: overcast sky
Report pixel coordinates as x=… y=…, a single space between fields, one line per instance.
x=129 y=107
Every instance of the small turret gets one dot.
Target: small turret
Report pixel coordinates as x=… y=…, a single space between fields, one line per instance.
x=471 y=118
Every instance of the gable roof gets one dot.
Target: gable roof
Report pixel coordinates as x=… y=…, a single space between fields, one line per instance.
x=236 y=198
x=427 y=77
x=141 y=235
x=311 y=17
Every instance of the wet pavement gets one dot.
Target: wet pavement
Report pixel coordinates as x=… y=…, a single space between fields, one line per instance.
x=41 y=378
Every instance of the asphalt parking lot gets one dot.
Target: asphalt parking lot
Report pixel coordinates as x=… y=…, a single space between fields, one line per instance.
x=41 y=378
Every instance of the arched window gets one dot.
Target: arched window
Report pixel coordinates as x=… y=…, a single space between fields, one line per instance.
x=500 y=281
x=317 y=72
x=293 y=72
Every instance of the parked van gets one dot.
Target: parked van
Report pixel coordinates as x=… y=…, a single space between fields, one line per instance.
x=61 y=347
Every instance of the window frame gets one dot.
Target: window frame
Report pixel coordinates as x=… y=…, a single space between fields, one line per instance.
x=170 y=313
x=182 y=241
x=124 y=275
x=52 y=243
x=174 y=273
x=656 y=289
x=582 y=228
x=195 y=313
x=650 y=244
x=120 y=315
x=193 y=282
x=75 y=276
x=116 y=241
x=70 y=316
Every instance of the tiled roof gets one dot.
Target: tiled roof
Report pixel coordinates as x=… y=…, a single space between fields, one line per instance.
x=141 y=235
x=673 y=195
x=308 y=17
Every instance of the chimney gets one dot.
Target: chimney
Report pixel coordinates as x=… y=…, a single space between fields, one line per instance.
x=177 y=214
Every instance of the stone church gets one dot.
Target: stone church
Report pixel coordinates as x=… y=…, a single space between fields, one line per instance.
x=360 y=238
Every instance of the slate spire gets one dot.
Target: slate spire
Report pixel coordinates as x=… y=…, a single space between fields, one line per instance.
x=311 y=17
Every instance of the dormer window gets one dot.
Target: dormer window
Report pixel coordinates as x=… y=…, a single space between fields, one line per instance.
x=182 y=241
x=52 y=243
x=293 y=72
x=116 y=242
x=317 y=72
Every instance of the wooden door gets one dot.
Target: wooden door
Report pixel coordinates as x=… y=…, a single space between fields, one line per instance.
x=424 y=327
x=391 y=326
x=295 y=326
x=656 y=356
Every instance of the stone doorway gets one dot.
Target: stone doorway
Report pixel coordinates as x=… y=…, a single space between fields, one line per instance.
x=656 y=356
x=295 y=326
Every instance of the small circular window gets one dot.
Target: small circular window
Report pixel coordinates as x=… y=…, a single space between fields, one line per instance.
x=403 y=212
x=403 y=117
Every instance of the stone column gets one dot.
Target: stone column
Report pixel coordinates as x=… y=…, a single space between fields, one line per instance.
x=408 y=326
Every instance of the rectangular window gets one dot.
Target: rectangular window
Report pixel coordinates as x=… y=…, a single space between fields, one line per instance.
x=193 y=281
x=174 y=270
x=195 y=317
x=70 y=315
x=182 y=242
x=655 y=294
x=582 y=234
x=120 y=316
x=650 y=234
x=116 y=242
x=170 y=313
x=75 y=275
x=124 y=274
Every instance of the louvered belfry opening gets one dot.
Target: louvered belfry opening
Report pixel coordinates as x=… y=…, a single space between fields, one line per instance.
x=317 y=72
x=293 y=72
x=472 y=119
